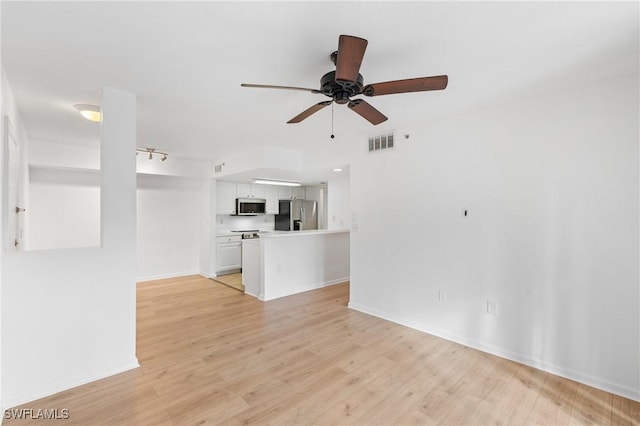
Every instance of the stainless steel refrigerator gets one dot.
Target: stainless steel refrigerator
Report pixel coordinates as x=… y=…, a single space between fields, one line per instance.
x=297 y=215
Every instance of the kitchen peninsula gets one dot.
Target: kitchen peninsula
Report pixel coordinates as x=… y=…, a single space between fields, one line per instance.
x=282 y=263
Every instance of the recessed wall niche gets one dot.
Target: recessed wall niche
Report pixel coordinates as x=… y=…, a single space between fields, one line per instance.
x=58 y=192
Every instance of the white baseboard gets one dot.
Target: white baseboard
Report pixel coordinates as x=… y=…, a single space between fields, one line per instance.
x=334 y=282
x=577 y=376
x=309 y=288
x=163 y=276
x=15 y=400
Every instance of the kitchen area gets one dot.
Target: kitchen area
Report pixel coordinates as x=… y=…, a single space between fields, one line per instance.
x=273 y=240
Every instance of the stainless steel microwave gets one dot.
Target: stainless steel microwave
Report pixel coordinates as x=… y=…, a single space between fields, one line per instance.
x=250 y=206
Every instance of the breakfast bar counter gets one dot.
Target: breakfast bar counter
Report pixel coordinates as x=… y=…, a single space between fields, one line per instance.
x=282 y=263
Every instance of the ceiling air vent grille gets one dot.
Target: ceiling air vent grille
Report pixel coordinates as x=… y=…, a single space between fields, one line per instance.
x=379 y=143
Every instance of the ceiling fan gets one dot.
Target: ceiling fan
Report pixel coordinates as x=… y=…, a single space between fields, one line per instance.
x=346 y=81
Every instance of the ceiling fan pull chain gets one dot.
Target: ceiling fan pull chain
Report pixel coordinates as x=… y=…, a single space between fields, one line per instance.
x=332 y=135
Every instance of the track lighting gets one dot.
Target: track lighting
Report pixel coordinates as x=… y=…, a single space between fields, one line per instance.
x=152 y=151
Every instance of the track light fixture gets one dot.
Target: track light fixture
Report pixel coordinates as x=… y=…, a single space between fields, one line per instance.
x=152 y=151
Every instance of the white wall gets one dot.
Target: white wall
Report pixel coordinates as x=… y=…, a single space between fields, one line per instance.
x=56 y=154
x=68 y=316
x=63 y=195
x=169 y=226
x=551 y=185
x=207 y=226
x=63 y=209
x=339 y=203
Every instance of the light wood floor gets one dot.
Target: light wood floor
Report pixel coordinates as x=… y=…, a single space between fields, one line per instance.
x=232 y=280
x=211 y=355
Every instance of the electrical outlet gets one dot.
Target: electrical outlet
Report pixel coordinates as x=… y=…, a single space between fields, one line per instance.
x=492 y=307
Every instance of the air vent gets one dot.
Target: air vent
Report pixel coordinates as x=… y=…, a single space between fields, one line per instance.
x=378 y=143
x=218 y=168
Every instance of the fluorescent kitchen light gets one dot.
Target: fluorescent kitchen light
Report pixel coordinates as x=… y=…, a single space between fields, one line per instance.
x=276 y=182
x=90 y=112
x=337 y=169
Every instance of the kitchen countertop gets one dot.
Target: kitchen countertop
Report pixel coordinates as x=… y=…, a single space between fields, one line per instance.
x=279 y=234
x=227 y=234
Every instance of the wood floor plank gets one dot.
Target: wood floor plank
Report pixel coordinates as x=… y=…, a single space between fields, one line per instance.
x=519 y=394
x=554 y=404
x=591 y=406
x=212 y=355
x=625 y=412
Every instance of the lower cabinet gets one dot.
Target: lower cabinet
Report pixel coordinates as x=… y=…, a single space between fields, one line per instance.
x=228 y=254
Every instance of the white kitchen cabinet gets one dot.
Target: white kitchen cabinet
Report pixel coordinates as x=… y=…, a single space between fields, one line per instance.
x=247 y=190
x=257 y=191
x=225 y=198
x=291 y=193
x=228 y=253
x=271 y=195
x=284 y=193
x=298 y=193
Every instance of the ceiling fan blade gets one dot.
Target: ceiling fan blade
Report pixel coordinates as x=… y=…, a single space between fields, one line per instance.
x=350 y=53
x=269 y=86
x=307 y=112
x=422 y=84
x=367 y=112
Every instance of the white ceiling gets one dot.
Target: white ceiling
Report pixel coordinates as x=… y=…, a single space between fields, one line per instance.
x=185 y=62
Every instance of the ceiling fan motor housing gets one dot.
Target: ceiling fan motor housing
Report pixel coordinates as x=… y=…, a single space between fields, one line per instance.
x=340 y=91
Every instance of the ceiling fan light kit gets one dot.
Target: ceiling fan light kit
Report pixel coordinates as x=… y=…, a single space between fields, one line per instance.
x=346 y=82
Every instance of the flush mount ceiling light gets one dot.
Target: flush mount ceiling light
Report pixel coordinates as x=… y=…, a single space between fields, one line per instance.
x=152 y=151
x=276 y=182
x=337 y=169
x=90 y=112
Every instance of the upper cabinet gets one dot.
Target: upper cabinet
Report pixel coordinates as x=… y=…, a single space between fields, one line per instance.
x=271 y=195
x=225 y=198
x=298 y=193
x=247 y=190
x=291 y=193
x=284 y=193
x=227 y=192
